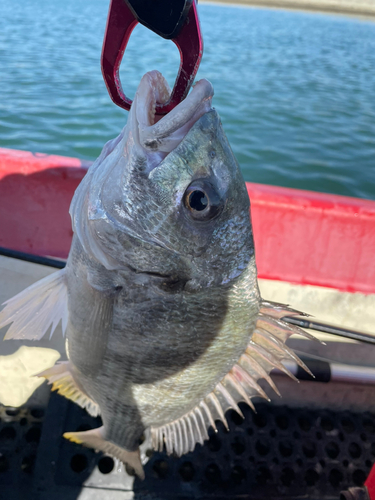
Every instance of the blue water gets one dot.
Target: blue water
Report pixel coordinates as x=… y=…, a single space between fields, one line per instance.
x=295 y=91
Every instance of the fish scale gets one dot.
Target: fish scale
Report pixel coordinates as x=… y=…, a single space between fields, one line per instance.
x=165 y=326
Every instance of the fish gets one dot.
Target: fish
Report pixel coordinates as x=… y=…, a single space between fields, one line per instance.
x=164 y=323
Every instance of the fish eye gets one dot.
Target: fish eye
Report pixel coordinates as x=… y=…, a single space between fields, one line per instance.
x=202 y=201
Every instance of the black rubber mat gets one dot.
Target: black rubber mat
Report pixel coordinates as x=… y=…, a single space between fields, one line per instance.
x=279 y=453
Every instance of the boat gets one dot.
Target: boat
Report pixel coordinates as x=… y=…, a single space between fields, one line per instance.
x=314 y=251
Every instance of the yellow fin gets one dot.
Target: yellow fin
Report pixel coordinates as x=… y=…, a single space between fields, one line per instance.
x=62 y=380
x=95 y=439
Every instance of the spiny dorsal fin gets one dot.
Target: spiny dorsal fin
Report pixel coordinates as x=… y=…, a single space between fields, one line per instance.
x=95 y=439
x=35 y=309
x=62 y=380
x=266 y=350
x=277 y=310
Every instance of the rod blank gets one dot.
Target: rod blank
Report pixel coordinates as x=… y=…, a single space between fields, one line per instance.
x=333 y=330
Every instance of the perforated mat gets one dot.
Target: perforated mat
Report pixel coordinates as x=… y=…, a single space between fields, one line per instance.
x=279 y=453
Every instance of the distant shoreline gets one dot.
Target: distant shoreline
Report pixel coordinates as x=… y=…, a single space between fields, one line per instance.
x=364 y=8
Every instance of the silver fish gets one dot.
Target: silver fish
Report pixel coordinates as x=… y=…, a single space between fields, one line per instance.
x=165 y=326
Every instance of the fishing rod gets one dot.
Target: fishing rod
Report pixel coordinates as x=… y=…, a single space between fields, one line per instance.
x=326 y=370
x=303 y=323
x=333 y=330
x=34 y=259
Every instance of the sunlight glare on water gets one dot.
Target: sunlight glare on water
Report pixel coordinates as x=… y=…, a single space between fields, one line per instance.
x=295 y=91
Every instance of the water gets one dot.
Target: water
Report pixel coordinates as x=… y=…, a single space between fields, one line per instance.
x=295 y=91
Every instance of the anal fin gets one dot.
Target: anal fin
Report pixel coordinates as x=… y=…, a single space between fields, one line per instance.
x=62 y=380
x=95 y=439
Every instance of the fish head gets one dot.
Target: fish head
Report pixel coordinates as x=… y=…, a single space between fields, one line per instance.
x=167 y=198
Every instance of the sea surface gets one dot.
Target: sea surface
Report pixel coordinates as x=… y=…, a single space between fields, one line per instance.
x=295 y=91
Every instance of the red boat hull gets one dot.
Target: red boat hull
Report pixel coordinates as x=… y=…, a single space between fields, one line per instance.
x=300 y=236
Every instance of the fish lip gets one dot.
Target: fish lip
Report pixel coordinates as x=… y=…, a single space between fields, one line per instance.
x=152 y=274
x=155 y=134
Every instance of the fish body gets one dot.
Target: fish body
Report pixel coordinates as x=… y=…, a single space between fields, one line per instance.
x=165 y=325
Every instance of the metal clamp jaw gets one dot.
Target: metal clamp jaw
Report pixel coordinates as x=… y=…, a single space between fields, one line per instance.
x=185 y=32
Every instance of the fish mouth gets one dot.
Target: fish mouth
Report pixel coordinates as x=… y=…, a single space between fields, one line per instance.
x=162 y=134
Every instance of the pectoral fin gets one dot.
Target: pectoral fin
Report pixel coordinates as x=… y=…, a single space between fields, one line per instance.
x=62 y=380
x=95 y=439
x=35 y=309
